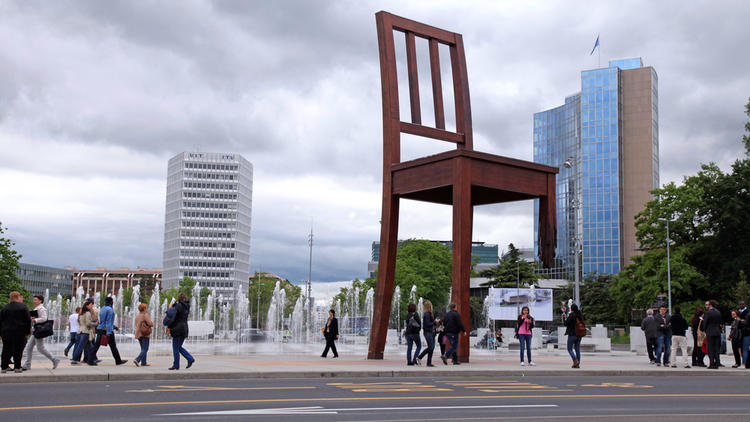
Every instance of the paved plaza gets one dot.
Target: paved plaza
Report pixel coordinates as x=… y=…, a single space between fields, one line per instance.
x=311 y=365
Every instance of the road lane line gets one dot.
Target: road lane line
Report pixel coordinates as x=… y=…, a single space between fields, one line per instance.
x=344 y=399
x=322 y=410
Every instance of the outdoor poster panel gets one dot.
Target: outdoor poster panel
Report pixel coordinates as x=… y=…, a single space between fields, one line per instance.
x=505 y=304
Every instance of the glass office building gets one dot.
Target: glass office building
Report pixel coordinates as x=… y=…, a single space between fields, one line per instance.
x=605 y=142
x=207 y=222
x=43 y=280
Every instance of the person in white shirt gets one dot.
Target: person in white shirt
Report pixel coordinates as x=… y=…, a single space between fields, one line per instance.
x=41 y=316
x=74 y=327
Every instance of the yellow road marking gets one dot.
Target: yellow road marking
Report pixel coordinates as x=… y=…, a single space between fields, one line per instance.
x=617 y=384
x=345 y=399
x=387 y=387
x=505 y=391
x=197 y=388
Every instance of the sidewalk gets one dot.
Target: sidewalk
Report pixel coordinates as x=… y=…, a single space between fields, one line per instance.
x=295 y=365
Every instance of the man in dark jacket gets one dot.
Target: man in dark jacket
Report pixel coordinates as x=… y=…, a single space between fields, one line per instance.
x=679 y=341
x=453 y=326
x=664 y=336
x=651 y=330
x=15 y=325
x=179 y=331
x=745 y=331
x=712 y=327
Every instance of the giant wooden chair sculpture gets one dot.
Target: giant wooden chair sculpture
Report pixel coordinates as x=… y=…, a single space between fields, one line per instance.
x=461 y=178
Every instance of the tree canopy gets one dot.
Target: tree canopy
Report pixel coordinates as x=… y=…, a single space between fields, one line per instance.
x=709 y=215
x=510 y=270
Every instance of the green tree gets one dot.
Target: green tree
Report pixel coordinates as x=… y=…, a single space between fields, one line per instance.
x=267 y=283
x=596 y=299
x=746 y=138
x=420 y=263
x=9 y=280
x=507 y=272
x=709 y=214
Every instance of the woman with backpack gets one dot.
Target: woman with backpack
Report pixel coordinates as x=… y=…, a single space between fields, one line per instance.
x=412 y=334
x=524 y=325
x=575 y=329
x=143 y=327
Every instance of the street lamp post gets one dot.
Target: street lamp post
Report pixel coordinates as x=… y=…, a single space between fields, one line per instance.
x=669 y=270
x=571 y=163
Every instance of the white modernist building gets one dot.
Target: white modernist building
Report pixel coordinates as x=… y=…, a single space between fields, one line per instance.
x=207 y=222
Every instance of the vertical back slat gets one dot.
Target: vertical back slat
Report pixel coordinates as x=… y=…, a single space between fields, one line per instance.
x=411 y=64
x=461 y=93
x=437 y=85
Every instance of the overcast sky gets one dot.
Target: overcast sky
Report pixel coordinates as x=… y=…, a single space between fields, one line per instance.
x=96 y=96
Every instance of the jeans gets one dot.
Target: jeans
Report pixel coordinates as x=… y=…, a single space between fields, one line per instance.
x=73 y=341
x=39 y=344
x=412 y=339
x=574 y=345
x=430 y=339
x=745 y=347
x=453 y=339
x=663 y=345
x=525 y=340
x=144 y=342
x=82 y=341
x=178 y=350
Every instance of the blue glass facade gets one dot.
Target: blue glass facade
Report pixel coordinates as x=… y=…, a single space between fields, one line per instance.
x=557 y=138
x=584 y=139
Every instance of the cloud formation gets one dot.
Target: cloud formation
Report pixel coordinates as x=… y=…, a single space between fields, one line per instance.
x=96 y=96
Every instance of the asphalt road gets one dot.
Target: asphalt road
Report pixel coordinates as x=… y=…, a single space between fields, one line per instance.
x=378 y=399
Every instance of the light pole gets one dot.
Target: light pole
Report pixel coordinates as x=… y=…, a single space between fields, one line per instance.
x=575 y=204
x=669 y=270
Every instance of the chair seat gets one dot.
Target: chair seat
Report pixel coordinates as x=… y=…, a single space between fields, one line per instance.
x=494 y=179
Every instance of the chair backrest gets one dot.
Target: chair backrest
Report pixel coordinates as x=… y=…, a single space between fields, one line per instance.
x=392 y=124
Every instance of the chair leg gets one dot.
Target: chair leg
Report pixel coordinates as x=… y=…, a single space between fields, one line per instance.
x=463 y=219
x=386 y=274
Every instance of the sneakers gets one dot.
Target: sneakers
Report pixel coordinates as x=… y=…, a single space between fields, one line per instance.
x=532 y=364
x=135 y=362
x=523 y=364
x=55 y=363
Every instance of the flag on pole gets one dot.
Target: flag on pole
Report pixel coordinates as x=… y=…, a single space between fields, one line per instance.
x=596 y=44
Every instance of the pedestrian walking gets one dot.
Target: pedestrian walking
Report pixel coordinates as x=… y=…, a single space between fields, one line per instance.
x=411 y=333
x=143 y=327
x=712 y=326
x=679 y=341
x=15 y=326
x=36 y=340
x=664 y=336
x=86 y=335
x=441 y=339
x=650 y=328
x=105 y=331
x=428 y=329
x=735 y=337
x=179 y=331
x=699 y=337
x=331 y=334
x=744 y=315
x=575 y=329
x=453 y=326
x=524 y=325
x=74 y=327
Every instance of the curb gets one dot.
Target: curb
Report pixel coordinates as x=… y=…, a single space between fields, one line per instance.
x=157 y=376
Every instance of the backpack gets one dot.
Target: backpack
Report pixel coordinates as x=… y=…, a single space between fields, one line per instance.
x=580 y=328
x=145 y=329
